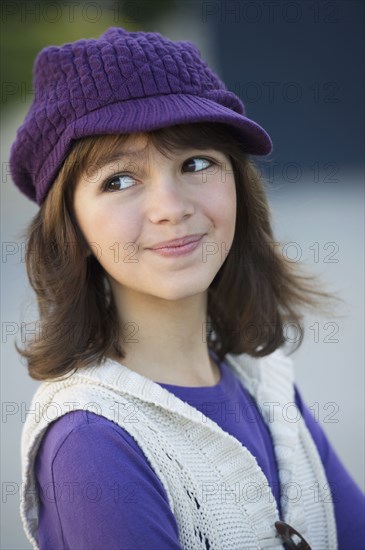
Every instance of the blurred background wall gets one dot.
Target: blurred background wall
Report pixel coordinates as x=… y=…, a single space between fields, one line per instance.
x=298 y=67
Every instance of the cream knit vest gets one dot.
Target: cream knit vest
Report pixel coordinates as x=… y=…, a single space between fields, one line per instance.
x=219 y=495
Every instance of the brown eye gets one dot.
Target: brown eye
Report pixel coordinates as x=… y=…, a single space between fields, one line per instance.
x=119 y=182
x=196 y=164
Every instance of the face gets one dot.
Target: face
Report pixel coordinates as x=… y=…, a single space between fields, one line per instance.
x=131 y=205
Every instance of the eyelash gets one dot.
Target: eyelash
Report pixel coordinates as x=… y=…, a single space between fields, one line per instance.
x=104 y=186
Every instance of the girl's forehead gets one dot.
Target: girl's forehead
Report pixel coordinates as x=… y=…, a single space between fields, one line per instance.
x=140 y=145
x=140 y=148
x=132 y=147
x=137 y=140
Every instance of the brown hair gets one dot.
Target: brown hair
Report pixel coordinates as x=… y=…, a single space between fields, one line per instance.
x=255 y=294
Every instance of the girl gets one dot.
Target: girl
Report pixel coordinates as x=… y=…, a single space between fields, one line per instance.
x=162 y=420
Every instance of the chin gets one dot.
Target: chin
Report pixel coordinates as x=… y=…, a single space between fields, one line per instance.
x=169 y=287
x=181 y=291
x=181 y=297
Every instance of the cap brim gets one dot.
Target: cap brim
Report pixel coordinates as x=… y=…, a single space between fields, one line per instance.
x=151 y=113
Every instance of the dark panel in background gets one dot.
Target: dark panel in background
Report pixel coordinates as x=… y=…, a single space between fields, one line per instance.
x=299 y=68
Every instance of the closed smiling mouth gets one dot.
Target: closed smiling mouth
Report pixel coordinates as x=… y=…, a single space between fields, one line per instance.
x=176 y=243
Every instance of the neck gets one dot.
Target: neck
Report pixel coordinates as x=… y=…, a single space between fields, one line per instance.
x=165 y=340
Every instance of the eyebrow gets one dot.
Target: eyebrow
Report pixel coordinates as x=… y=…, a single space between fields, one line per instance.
x=113 y=157
x=124 y=154
x=127 y=154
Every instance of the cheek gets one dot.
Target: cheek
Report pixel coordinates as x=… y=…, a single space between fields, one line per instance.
x=108 y=226
x=223 y=205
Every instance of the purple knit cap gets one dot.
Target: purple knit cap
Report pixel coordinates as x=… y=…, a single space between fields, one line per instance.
x=122 y=82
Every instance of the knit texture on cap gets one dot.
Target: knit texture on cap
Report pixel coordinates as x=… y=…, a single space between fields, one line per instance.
x=119 y=83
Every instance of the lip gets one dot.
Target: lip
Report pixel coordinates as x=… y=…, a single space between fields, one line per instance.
x=177 y=242
x=178 y=247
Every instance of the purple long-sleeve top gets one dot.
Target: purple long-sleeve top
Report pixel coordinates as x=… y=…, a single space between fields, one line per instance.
x=98 y=491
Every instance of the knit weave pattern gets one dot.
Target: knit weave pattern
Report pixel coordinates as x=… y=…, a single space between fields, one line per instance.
x=120 y=82
x=219 y=495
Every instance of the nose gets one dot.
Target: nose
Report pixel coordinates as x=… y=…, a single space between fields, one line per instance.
x=167 y=200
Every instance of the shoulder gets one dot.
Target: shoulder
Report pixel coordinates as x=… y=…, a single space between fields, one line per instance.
x=89 y=467
x=82 y=431
x=270 y=374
